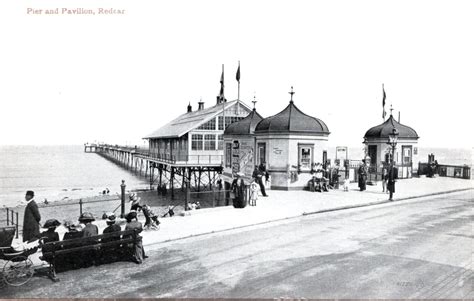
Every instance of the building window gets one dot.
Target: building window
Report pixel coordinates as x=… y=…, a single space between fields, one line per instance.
x=228 y=155
x=210 y=125
x=228 y=120
x=220 y=142
x=209 y=142
x=196 y=142
x=305 y=154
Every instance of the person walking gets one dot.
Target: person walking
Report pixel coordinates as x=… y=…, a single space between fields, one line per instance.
x=32 y=218
x=362 y=175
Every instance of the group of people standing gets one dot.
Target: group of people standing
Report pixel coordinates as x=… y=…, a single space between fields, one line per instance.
x=239 y=187
x=388 y=175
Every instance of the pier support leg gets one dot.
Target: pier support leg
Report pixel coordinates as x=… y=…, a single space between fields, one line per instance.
x=172 y=182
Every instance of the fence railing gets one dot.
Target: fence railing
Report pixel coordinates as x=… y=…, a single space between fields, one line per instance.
x=12 y=219
x=443 y=170
x=188 y=159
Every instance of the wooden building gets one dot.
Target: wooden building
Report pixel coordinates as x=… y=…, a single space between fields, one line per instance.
x=196 y=136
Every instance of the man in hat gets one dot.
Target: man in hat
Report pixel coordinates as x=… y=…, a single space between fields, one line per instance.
x=31 y=219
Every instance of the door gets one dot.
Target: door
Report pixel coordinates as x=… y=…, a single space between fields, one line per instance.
x=261 y=151
x=372 y=152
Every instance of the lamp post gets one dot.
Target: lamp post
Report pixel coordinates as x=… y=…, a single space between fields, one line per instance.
x=392 y=141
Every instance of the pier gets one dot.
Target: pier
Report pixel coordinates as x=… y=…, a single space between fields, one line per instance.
x=198 y=172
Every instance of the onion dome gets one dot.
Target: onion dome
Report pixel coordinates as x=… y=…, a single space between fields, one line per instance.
x=292 y=120
x=245 y=126
x=385 y=129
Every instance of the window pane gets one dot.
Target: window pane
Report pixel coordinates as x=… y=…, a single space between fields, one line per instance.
x=209 y=142
x=196 y=142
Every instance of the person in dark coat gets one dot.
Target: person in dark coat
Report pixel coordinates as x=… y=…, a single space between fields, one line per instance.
x=258 y=175
x=111 y=227
x=138 y=254
x=362 y=176
x=238 y=187
x=50 y=235
x=31 y=219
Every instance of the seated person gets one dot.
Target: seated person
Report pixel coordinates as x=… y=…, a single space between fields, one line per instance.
x=50 y=235
x=89 y=228
x=111 y=227
x=74 y=231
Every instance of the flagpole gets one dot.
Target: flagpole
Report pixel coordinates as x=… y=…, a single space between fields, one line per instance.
x=238 y=88
x=223 y=100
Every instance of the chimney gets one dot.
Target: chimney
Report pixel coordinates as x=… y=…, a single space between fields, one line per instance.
x=190 y=108
x=201 y=105
x=398 y=116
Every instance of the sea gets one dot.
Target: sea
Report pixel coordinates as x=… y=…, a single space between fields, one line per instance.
x=67 y=172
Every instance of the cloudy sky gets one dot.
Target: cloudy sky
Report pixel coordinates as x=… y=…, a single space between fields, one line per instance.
x=68 y=79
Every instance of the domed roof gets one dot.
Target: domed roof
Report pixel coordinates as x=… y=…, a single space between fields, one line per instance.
x=245 y=126
x=292 y=120
x=384 y=129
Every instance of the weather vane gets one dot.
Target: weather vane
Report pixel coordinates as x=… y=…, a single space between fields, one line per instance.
x=291 y=93
x=254 y=101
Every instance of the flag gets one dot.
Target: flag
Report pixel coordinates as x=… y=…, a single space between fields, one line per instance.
x=221 y=93
x=384 y=113
x=237 y=76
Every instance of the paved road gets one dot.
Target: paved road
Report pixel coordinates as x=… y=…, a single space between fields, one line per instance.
x=412 y=249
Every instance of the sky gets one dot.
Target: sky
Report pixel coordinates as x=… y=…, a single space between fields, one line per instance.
x=71 y=79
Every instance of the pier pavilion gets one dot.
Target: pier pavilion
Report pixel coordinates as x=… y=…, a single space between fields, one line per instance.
x=190 y=147
x=406 y=152
x=289 y=143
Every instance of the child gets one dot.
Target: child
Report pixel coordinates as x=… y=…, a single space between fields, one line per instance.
x=253 y=193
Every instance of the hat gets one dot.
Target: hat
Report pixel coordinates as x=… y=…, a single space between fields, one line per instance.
x=51 y=223
x=110 y=218
x=133 y=197
x=86 y=217
x=30 y=193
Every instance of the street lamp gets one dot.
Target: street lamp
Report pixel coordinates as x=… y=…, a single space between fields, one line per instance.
x=392 y=141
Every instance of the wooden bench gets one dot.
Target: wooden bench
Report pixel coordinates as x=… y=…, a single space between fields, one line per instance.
x=86 y=251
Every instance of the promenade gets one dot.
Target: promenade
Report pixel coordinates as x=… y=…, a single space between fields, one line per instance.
x=284 y=205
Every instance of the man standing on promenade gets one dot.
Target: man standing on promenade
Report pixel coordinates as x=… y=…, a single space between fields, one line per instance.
x=31 y=218
x=258 y=175
x=362 y=175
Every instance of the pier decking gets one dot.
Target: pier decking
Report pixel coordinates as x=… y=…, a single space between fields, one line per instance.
x=200 y=172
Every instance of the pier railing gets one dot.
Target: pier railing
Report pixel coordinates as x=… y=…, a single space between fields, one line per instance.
x=443 y=170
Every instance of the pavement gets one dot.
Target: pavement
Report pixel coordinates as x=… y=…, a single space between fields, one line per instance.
x=418 y=248
x=282 y=205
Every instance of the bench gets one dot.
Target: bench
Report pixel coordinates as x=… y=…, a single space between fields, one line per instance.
x=86 y=251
